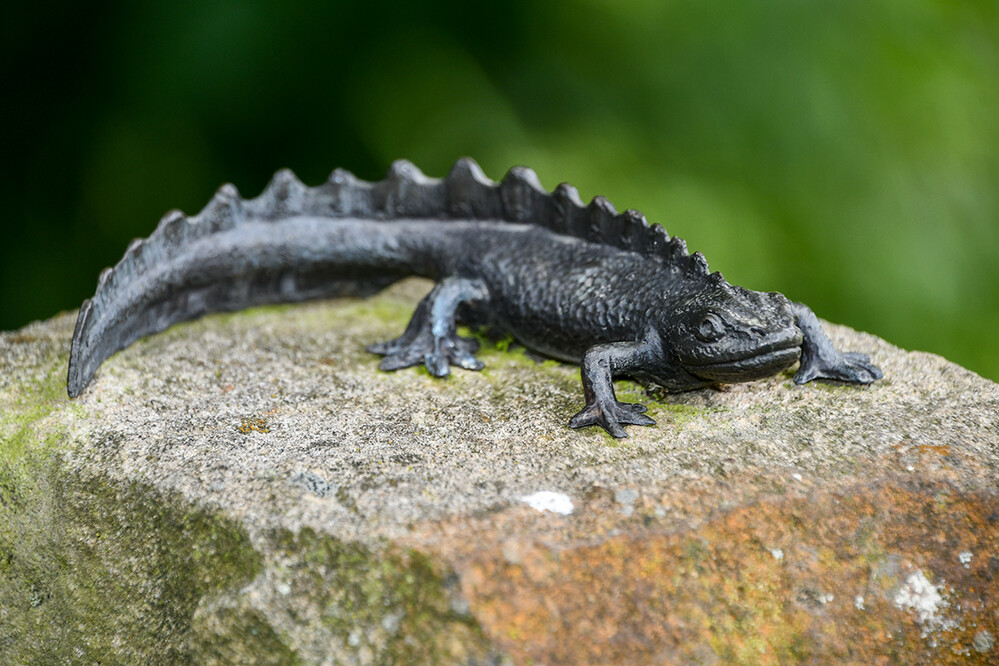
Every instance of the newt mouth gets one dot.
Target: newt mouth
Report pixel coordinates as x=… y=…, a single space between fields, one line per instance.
x=750 y=367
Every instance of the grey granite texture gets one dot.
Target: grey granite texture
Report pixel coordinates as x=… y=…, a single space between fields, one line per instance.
x=250 y=485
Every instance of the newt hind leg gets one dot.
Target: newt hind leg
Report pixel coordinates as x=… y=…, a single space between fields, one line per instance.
x=431 y=338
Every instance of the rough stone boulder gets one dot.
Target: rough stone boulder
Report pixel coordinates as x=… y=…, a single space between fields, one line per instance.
x=249 y=488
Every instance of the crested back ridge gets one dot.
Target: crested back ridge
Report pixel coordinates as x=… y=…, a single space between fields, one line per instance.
x=465 y=193
x=406 y=192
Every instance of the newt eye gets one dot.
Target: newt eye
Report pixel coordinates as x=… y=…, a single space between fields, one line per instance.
x=711 y=328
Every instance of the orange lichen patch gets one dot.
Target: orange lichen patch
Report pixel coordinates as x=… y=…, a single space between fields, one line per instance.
x=902 y=572
x=253 y=425
x=942 y=450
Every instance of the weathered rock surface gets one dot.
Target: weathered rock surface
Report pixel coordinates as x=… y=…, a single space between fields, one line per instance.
x=251 y=489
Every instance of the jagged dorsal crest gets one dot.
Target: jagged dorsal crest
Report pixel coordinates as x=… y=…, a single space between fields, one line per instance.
x=465 y=193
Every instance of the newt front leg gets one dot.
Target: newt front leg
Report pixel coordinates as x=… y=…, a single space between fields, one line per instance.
x=600 y=365
x=820 y=360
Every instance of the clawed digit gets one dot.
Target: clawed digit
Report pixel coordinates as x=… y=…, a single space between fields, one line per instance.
x=849 y=367
x=611 y=416
x=437 y=353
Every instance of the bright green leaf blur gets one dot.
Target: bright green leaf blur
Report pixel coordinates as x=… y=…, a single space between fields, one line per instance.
x=844 y=153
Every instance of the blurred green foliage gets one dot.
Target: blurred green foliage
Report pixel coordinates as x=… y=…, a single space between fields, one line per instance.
x=844 y=153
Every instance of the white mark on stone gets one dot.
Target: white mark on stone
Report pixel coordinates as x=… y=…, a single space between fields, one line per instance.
x=796 y=477
x=983 y=641
x=511 y=551
x=824 y=598
x=858 y=602
x=546 y=500
x=626 y=498
x=964 y=557
x=909 y=468
x=918 y=594
x=390 y=623
x=777 y=553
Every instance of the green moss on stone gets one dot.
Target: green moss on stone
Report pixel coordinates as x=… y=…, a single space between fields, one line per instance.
x=29 y=399
x=380 y=309
x=237 y=636
x=383 y=606
x=681 y=413
x=660 y=407
x=34 y=388
x=98 y=572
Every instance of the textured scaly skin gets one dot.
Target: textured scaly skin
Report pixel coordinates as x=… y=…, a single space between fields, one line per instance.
x=578 y=283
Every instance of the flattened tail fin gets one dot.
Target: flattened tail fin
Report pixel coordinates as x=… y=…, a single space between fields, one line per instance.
x=106 y=326
x=79 y=376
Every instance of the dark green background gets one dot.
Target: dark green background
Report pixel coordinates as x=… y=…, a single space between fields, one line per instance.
x=845 y=153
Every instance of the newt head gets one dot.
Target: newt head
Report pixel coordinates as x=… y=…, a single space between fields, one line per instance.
x=730 y=334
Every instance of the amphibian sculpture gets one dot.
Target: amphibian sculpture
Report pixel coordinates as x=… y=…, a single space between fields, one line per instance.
x=574 y=282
